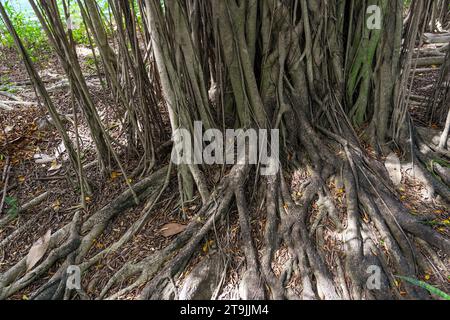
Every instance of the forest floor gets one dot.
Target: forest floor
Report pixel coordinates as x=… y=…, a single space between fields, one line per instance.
x=29 y=143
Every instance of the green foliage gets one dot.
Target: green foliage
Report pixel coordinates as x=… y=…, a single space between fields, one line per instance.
x=90 y=62
x=441 y=162
x=79 y=32
x=31 y=33
x=13 y=206
x=28 y=29
x=6 y=85
x=426 y=286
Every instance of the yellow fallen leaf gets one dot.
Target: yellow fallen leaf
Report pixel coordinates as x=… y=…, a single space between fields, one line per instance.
x=115 y=175
x=56 y=205
x=207 y=246
x=25 y=297
x=427 y=277
x=21 y=179
x=365 y=218
x=55 y=166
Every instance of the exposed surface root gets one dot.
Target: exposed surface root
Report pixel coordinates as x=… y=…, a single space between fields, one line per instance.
x=334 y=238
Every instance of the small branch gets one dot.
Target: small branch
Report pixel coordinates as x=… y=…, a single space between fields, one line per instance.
x=25 y=103
x=10 y=95
x=437 y=38
x=428 y=61
x=5 y=178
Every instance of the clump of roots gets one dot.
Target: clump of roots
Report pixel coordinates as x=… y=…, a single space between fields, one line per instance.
x=370 y=229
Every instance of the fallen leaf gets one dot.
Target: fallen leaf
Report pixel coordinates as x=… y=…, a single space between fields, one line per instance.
x=55 y=166
x=115 y=175
x=56 y=205
x=42 y=158
x=8 y=129
x=99 y=245
x=172 y=229
x=60 y=150
x=38 y=250
x=208 y=244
